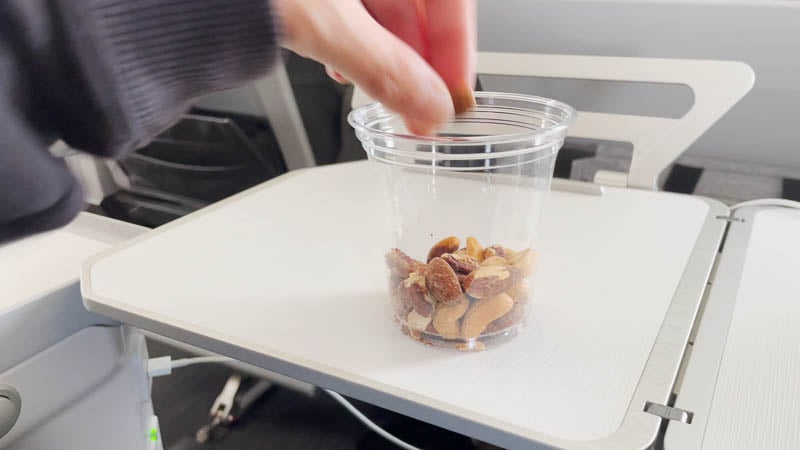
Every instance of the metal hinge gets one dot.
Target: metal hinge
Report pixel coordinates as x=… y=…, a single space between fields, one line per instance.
x=730 y=219
x=669 y=412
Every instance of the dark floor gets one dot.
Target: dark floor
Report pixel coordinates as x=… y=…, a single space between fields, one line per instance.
x=282 y=419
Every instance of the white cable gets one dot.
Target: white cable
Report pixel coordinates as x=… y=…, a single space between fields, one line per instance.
x=767 y=202
x=372 y=425
x=200 y=360
x=164 y=365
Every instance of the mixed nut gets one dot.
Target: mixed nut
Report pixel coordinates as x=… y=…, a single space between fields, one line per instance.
x=460 y=294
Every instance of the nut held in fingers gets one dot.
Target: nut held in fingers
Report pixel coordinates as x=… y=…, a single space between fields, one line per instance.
x=463 y=98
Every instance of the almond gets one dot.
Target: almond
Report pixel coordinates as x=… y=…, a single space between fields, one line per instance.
x=411 y=292
x=446 y=245
x=400 y=309
x=442 y=282
x=401 y=265
x=461 y=278
x=461 y=263
x=489 y=281
x=394 y=280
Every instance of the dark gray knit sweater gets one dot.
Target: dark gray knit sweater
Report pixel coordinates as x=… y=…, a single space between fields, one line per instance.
x=105 y=76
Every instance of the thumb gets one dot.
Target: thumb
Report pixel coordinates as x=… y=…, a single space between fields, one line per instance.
x=389 y=70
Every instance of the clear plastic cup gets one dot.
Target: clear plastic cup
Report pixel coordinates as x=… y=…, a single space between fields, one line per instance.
x=463 y=209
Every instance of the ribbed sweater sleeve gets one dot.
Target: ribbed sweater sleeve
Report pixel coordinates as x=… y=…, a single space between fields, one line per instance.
x=106 y=76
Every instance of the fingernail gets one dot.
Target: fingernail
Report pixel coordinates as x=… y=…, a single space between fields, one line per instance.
x=336 y=76
x=463 y=98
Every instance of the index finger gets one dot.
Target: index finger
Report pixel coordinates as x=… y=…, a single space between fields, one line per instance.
x=452 y=44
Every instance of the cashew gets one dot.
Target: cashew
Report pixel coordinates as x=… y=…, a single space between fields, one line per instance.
x=445 y=319
x=525 y=261
x=498 y=250
x=474 y=248
x=474 y=346
x=519 y=292
x=417 y=321
x=495 y=261
x=506 y=252
x=483 y=312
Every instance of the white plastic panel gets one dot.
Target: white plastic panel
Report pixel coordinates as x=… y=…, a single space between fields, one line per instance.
x=90 y=392
x=290 y=277
x=743 y=378
x=61 y=375
x=40 y=300
x=33 y=266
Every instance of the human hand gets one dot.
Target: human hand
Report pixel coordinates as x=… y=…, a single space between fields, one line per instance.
x=417 y=57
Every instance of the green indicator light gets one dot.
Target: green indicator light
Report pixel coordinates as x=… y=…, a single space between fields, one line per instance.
x=153 y=434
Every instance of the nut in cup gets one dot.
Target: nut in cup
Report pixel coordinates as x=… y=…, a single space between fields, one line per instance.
x=463 y=209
